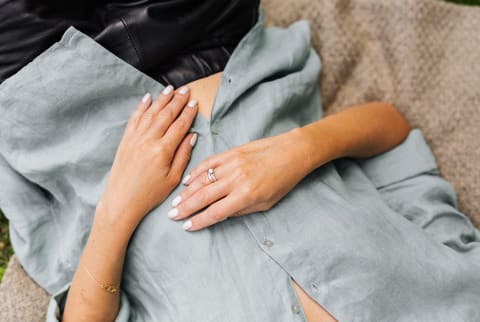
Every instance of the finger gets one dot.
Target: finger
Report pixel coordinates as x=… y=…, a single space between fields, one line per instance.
x=181 y=157
x=179 y=128
x=219 y=211
x=139 y=110
x=158 y=104
x=162 y=100
x=221 y=172
x=163 y=119
x=200 y=199
x=213 y=162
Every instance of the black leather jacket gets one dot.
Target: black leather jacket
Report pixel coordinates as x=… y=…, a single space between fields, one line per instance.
x=173 y=41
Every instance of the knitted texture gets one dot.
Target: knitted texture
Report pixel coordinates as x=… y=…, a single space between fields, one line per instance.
x=421 y=56
x=21 y=299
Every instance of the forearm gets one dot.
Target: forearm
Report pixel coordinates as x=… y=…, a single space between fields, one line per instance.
x=150 y=159
x=101 y=262
x=359 y=131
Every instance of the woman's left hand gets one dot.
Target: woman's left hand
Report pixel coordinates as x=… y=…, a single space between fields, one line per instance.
x=251 y=177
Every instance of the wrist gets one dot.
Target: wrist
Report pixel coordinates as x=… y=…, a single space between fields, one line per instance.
x=105 y=243
x=120 y=224
x=303 y=150
x=318 y=144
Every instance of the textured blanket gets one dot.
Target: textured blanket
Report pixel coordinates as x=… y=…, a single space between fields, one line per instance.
x=421 y=56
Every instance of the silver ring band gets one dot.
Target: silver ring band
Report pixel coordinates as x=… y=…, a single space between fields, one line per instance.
x=211 y=175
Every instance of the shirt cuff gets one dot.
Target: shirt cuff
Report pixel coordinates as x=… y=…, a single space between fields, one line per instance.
x=57 y=304
x=408 y=159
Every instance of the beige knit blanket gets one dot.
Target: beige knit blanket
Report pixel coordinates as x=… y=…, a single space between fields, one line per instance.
x=422 y=56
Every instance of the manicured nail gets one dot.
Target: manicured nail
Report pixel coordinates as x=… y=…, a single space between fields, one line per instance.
x=183 y=90
x=176 y=201
x=172 y=213
x=193 y=140
x=185 y=180
x=146 y=98
x=187 y=225
x=192 y=103
x=167 y=90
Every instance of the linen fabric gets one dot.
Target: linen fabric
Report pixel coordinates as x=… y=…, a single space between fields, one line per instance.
x=370 y=240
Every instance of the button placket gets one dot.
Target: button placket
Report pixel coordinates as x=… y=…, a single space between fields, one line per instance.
x=295 y=305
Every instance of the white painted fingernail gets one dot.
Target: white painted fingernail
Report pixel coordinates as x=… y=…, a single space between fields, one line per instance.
x=184 y=181
x=176 y=201
x=193 y=140
x=167 y=90
x=146 y=98
x=183 y=90
x=187 y=225
x=173 y=213
x=192 y=103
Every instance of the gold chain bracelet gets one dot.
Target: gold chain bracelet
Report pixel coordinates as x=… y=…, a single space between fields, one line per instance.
x=111 y=288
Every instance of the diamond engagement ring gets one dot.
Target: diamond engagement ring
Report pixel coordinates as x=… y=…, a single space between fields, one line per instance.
x=211 y=175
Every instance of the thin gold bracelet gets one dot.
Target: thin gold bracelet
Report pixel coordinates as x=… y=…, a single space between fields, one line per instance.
x=111 y=288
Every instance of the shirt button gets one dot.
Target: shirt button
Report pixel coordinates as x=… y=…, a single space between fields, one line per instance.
x=295 y=309
x=267 y=242
x=214 y=129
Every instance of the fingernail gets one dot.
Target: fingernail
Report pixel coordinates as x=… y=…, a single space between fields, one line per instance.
x=146 y=98
x=176 y=201
x=187 y=225
x=193 y=140
x=172 y=213
x=167 y=90
x=183 y=90
x=185 y=180
x=192 y=103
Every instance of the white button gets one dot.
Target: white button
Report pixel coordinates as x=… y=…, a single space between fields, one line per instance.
x=295 y=309
x=214 y=128
x=267 y=242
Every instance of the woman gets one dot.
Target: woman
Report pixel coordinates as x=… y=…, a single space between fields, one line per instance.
x=321 y=236
x=251 y=178
x=153 y=153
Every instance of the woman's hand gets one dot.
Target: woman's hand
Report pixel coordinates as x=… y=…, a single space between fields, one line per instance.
x=151 y=157
x=251 y=177
x=255 y=176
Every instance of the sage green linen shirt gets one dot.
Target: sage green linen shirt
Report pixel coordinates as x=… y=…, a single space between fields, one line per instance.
x=370 y=240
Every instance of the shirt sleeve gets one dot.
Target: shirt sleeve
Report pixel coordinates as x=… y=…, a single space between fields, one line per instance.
x=408 y=180
x=57 y=304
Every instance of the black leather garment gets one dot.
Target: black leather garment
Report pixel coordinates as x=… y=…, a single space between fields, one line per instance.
x=173 y=41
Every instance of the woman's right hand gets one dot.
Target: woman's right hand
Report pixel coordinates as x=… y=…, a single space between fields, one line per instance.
x=150 y=159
